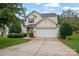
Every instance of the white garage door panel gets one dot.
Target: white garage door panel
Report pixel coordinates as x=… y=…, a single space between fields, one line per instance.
x=46 y=32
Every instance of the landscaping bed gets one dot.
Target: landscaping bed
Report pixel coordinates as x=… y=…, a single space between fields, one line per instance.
x=72 y=41
x=5 y=42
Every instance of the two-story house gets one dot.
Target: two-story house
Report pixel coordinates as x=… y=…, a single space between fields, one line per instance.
x=41 y=25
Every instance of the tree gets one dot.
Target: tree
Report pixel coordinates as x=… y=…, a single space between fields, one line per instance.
x=15 y=29
x=61 y=19
x=75 y=23
x=71 y=17
x=65 y=30
x=69 y=13
x=8 y=14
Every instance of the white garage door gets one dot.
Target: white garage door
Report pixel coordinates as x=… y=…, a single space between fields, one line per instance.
x=46 y=32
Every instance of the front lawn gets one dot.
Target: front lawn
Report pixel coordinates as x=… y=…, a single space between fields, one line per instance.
x=73 y=42
x=5 y=42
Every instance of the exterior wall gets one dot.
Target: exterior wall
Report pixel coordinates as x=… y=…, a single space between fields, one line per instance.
x=54 y=19
x=38 y=18
x=46 y=23
x=23 y=29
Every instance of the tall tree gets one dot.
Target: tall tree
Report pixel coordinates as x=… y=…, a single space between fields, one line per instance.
x=9 y=13
x=61 y=18
x=75 y=23
x=69 y=13
x=71 y=17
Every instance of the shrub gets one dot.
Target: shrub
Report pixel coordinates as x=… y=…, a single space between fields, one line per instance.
x=65 y=30
x=16 y=35
x=25 y=34
x=31 y=34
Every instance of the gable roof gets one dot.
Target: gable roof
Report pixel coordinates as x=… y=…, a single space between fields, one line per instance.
x=32 y=12
x=48 y=15
x=48 y=20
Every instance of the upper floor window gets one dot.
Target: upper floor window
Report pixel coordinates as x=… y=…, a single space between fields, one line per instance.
x=31 y=20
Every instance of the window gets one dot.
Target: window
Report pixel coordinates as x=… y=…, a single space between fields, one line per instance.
x=31 y=20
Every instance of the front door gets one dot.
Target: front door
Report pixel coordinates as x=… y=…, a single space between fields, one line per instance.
x=30 y=31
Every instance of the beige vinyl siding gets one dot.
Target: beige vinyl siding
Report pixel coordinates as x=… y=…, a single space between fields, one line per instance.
x=23 y=29
x=46 y=23
x=54 y=19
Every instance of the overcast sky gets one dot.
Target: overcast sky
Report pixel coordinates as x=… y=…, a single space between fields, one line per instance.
x=50 y=7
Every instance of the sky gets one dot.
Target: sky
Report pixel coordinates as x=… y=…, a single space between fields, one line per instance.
x=50 y=7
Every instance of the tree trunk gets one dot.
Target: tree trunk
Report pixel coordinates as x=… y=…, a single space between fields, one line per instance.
x=2 y=34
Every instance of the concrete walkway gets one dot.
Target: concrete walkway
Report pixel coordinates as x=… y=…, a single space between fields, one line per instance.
x=39 y=47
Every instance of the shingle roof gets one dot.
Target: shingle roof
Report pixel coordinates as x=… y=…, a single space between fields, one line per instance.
x=48 y=15
x=44 y=14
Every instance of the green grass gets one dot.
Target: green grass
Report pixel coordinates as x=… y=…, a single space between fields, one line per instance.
x=73 y=42
x=6 y=42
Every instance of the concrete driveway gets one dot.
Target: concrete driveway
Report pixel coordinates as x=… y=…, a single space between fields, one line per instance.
x=39 y=47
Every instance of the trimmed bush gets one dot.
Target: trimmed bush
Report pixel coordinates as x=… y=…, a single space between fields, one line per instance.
x=16 y=35
x=65 y=30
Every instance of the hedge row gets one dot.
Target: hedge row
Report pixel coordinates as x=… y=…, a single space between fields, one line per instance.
x=16 y=35
x=19 y=35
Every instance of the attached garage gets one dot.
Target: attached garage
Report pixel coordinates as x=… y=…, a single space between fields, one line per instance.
x=46 y=32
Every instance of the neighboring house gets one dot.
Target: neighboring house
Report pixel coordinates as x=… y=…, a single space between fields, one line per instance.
x=41 y=25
